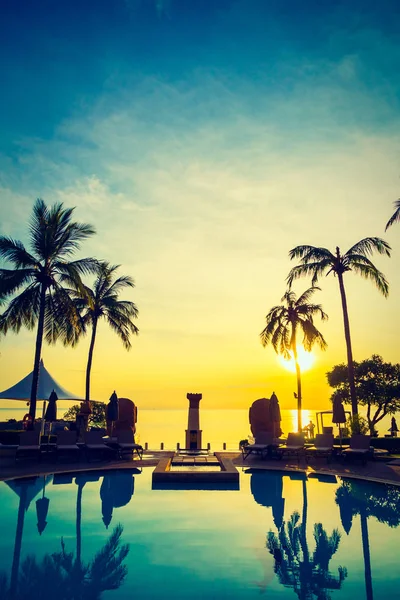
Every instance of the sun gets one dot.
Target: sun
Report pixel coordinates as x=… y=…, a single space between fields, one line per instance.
x=306 y=360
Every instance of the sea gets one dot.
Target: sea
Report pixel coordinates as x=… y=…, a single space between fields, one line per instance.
x=220 y=427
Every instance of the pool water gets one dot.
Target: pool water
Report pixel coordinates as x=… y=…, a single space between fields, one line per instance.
x=110 y=536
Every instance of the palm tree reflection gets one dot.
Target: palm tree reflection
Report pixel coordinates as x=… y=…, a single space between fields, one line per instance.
x=61 y=575
x=368 y=499
x=309 y=577
x=307 y=574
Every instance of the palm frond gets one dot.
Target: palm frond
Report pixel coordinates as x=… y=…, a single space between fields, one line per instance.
x=369 y=245
x=40 y=235
x=83 y=266
x=312 y=336
x=15 y=252
x=119 y=284
x=11 y=281
x=304 y=298
x=121 y=331
x=315 y=269
x=395 y=216
x=71 y=236
x=374 y=275
x=22 y=310
x=125 y=308
x=311 y=253
x=310 y=310
x=62 y=318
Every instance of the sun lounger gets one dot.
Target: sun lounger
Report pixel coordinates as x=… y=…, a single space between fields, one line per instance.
x=262 y=445
x=323 y=447
x=359 y=448
x=66 y=443
x=126 y=444
x=94 y=444
x=29 y=445
x=294 y=446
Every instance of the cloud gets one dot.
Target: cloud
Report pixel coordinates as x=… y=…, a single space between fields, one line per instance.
x=200 y=187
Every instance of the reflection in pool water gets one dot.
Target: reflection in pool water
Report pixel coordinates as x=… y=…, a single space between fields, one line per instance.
x=109 y=535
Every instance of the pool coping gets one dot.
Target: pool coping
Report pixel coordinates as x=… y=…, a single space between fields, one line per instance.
x=154 y=459
x=228 y=473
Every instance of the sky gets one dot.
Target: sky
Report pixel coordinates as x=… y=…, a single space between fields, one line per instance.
x=204 y=139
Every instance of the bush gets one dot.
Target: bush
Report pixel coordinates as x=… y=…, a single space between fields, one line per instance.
x=96 y=419
x=357 y=424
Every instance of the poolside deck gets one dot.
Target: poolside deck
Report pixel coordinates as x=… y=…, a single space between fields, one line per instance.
x=378 y=470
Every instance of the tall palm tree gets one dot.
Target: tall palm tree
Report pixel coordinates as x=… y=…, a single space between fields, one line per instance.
x=284 y=322
x=102 y=302
x=317 y=261
x=395 y=216
x=43 y=275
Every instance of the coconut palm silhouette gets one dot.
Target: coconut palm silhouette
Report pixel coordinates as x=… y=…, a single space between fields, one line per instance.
x=63 y=576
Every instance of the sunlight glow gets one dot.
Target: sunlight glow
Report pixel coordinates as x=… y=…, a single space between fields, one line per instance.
x=306 y=360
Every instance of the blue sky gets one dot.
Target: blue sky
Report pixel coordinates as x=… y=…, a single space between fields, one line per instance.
x=204 y=139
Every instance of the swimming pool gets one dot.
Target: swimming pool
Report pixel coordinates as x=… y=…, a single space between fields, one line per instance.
x=280 y=535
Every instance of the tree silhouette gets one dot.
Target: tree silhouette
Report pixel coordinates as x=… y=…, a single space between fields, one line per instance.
x=285 y=322
x=317 y=261
x=309 y=577
x=102 y=302
x=61 y=575
x=43 y=275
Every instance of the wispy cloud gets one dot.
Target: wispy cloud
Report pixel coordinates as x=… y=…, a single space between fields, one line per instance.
x=200 y=187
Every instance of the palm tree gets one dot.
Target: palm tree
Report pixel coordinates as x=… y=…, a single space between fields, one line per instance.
x=102 y=302
x=42 y=274
x=283 y=324
x=395 y=216
x=317 y=261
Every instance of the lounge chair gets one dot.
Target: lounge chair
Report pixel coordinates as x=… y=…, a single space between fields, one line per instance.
x=263 y=442
x=29 y=445
x=66 y=443
x=359 y=448
x=323 y=447
x=294 y=446
x=126 y=444
x=94 y=444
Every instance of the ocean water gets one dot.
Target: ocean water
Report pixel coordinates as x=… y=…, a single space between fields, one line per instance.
x=219 y=426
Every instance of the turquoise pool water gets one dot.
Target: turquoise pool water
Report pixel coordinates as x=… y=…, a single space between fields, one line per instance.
x=279 y=536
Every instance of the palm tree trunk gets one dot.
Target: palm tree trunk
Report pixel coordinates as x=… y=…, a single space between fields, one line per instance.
x=299 y=398
x=38 y=353
x=79 y=523
x=90 y=359
x=350 y=364
x=306 y=579
x=367 y=556
x=18 y=542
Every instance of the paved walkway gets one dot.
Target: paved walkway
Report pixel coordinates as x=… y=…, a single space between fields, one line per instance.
x=386 y=472
x=375 y=470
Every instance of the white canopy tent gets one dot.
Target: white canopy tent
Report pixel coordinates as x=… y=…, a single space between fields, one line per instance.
x=22 y=389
